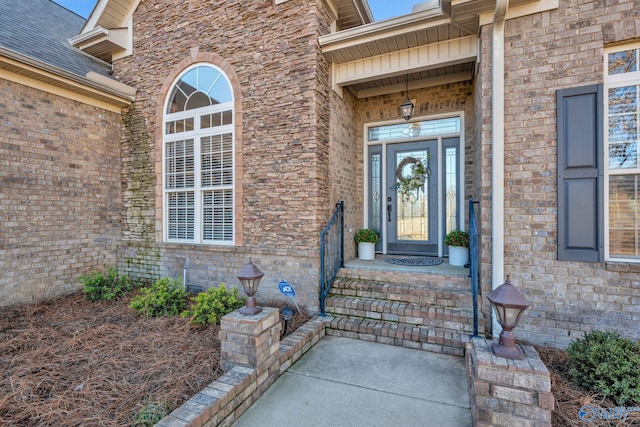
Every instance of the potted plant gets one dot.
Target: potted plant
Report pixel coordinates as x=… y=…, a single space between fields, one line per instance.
x=366 y=240
x=458 y=242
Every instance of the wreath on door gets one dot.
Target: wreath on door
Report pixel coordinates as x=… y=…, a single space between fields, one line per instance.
x=411 y=184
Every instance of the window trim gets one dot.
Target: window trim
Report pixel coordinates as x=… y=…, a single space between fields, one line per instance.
x=613 y=81
x=196 y=134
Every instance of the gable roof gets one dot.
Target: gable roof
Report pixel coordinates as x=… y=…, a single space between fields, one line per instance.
x=41 y=29
x=34 y=45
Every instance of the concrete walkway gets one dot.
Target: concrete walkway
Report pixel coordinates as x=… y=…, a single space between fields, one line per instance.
x=351 y=383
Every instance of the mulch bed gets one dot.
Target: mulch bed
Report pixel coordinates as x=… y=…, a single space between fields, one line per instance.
x=569 y=397
x=71 y=362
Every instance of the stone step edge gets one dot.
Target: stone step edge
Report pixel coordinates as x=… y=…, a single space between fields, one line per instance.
x=440 y=340
x=350 y=273
x=378 y=308
x=441 y=299
x=386 y=287
x=457 y=324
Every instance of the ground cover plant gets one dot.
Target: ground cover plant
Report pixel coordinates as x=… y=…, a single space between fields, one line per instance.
x=571 y=397
x=97 y=286
x=73 y=362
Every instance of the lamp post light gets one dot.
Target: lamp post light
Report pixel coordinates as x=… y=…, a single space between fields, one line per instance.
x=250 y=276
x=508 y=304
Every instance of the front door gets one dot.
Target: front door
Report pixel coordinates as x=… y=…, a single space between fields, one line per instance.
x=412 y=198
x=414 y=185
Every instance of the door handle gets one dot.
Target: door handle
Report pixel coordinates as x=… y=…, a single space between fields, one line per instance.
x=389 y=207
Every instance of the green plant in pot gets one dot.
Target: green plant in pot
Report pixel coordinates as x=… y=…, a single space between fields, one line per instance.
x=458 y=242
x=366 y=239
x=457 y=238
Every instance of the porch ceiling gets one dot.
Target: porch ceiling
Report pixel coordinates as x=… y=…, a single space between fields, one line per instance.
x=433 y=46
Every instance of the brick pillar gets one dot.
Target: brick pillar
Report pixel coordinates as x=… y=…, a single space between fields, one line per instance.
x=506 y=392
x=252 y=341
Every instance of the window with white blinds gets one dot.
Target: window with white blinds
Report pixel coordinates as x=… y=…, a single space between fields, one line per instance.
x=622 y=136
x=198 y=173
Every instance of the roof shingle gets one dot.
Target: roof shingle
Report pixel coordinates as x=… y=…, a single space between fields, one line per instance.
x=41 y=29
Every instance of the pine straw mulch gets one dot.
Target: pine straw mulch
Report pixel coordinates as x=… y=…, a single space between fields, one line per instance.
x=71 y=362
x=569 y=397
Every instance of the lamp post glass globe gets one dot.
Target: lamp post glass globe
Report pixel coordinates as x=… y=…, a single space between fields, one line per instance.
x=249 y=277
x=508 y=304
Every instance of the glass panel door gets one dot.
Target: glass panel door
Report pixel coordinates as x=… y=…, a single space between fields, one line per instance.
x=412 y=199
x=375 y=192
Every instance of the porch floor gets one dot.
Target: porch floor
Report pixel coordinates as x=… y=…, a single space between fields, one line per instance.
x=380 y=264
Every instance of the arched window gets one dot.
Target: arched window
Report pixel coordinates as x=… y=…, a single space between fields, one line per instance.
x=198 y=138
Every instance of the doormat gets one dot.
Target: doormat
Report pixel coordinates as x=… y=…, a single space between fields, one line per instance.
x=419 y=260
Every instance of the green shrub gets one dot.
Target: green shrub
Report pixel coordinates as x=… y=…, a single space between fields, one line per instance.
x=150 y=414
x=166 y=297
x=211 y=305
x=606 y=363
x=99 y=287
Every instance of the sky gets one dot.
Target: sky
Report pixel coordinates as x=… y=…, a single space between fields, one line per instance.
x=381 y=9
x=81 y=7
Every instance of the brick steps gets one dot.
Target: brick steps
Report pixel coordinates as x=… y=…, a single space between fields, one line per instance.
x=420 y=279
x=411 y=336
x=406 y=313
x=432 y=313
x=426 y=293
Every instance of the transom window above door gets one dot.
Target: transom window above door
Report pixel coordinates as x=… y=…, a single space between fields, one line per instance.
x=198 y=172
x=416 y=129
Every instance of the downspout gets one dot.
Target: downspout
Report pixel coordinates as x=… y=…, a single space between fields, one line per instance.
x=497 y=160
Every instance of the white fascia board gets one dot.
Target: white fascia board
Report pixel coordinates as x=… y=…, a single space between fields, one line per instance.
x=117 y=91
x=383 y=29
x=95 y=33
x=117 y=37
x=92 y=21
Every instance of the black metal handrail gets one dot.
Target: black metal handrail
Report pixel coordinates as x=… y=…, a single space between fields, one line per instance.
x=331 y=252
x=474 y=258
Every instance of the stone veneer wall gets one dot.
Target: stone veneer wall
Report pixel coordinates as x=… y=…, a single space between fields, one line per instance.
x=60 y=193
x=280 y=82
x=558 y=49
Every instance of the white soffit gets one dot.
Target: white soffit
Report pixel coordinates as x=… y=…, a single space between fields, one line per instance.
x=110 y=14
x=435 y=55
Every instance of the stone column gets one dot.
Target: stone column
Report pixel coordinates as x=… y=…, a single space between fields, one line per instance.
x=252 y=341
x=507 y=392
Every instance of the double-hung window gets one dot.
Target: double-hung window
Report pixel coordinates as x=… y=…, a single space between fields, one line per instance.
x=622 y=118
x=598 y=163
x=198 y=172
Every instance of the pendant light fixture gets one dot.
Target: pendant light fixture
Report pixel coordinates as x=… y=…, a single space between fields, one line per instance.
x=407 y=106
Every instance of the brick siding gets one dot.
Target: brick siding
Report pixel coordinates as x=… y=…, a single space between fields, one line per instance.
x=544 y=52
x=60 y=198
